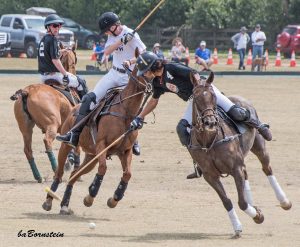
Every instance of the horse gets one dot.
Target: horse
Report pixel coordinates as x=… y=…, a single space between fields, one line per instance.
x=220 y=149
x=44 y=106
x=114 y=123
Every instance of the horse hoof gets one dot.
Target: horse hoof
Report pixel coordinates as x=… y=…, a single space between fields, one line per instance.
x=286 y=205
x=237 y=234
x=65 y=211
x=88 y=201
x=47 y=205
x=39 y=180
x=112 y=203
x=259 y=218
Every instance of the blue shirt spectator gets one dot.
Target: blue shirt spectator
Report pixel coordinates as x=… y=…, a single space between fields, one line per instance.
x=203 y=56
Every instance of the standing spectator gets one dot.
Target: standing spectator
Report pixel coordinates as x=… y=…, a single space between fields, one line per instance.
x=178 y=52
x=156 y=50
x=240 y=41
x=203 y=56
x=258 y=38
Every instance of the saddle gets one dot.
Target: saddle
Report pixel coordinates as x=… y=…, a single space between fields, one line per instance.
x=111 y=98
x=70 y=93
x=239 y=127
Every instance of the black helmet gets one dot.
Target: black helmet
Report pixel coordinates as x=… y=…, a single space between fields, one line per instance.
x=107 y=20
x=145 y=61
x=53 y=19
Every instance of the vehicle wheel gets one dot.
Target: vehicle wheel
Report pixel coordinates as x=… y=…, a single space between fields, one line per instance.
x=89 y=42
x=31 y=49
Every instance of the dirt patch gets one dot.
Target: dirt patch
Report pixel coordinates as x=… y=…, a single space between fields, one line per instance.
x=160 y=207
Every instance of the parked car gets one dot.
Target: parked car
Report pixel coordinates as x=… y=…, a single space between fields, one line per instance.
x=289 y=40
x=4 y=44
x=85 y=38
x=26 y=31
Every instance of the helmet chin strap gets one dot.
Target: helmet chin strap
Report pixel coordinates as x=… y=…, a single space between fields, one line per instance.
x=113 y=32
x=49 y=30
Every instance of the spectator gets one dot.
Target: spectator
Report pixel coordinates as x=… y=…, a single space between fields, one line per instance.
x=101 y=58
x=258 y=39
x=156 y=50
x=203 y=56
x=240 y=41
x=178 y=52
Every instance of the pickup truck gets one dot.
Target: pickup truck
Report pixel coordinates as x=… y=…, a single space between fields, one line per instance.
x=26 y=31
x=4 y=44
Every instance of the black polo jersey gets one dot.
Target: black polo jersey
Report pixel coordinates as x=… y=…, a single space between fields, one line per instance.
x=175 y=79
x=48 y=50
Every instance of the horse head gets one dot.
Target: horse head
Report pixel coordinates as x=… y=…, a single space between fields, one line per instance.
x=204 y=103
x=69 y=59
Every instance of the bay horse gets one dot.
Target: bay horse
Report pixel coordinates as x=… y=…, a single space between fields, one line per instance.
x=115 y=122
x=45 y=107
x=219 y=149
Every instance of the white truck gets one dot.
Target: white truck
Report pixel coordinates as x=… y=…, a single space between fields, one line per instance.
x=26 y=31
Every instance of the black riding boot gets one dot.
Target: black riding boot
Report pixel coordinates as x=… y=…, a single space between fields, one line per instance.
x=243 y=115
x=184 y=138
x=72 y=137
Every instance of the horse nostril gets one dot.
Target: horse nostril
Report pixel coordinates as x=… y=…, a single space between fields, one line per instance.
x=206 y=123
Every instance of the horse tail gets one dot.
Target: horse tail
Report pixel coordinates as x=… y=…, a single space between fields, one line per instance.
x=20 y=93
x=24 y=95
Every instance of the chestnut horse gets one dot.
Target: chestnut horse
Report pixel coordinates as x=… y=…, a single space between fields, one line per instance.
x=218 y=149
x=114 y=123
x=45 y=107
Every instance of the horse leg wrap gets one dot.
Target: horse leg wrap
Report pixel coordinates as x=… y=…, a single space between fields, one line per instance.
x=54 y=186
x=182 y=132
x=66 y=199
x=119 y=193
x=52 y=159
x=95 y=186
x=35 y=171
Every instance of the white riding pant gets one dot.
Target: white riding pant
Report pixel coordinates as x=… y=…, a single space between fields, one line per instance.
x=112 y=79
x=57 y=76
x=222 y=101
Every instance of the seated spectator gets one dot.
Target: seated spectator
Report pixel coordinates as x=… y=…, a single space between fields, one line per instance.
x=178 y=52
x=203 y=56
x=156 y=50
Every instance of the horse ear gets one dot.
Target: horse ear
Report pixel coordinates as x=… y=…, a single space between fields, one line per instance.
x=211 y=77
x=137 y=52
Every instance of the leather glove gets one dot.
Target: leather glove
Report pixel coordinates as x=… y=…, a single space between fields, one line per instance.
x=66 y=80
x=126 y=38
x=137 y=123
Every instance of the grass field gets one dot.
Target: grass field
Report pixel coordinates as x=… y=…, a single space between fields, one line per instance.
x=85 y=55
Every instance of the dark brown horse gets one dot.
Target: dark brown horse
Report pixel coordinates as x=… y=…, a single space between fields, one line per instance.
x=218 y=149
x=45 y=107
x=111 y=126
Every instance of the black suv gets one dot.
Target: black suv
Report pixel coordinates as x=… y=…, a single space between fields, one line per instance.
x=86 y=38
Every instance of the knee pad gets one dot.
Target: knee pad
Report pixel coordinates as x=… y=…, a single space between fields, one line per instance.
x=86 y=102
x=238 y=113
x=182 y=132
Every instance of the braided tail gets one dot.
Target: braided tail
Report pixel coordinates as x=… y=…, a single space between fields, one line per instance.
x=19 y=93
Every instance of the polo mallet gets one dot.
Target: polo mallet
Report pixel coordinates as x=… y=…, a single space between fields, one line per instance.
x=147 y=17
x=52 y=193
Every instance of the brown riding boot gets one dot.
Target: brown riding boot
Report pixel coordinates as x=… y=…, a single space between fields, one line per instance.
x=262 y=128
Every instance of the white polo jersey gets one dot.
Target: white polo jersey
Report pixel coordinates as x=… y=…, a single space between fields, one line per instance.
x=125 y=52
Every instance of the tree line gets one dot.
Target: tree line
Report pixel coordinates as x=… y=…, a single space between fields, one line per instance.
x=196 y=14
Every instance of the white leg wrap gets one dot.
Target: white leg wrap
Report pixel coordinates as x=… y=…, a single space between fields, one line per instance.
x=247 y=192
x=280 y=195
x=237 y=226
x=250 y=211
